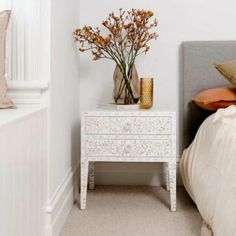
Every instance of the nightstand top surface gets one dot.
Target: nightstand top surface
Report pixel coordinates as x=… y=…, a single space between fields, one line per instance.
x=141 y=112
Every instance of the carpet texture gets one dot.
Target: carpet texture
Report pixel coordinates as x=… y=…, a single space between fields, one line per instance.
x=133 y=211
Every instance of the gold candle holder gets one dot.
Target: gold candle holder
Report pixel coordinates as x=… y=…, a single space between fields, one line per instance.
x=146 y=93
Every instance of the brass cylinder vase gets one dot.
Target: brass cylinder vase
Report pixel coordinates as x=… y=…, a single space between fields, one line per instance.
x=146 y=93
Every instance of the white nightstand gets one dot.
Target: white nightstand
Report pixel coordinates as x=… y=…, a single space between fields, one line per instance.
x=128 y=136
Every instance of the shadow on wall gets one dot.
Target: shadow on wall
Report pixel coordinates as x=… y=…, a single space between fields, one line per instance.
x=75 y=156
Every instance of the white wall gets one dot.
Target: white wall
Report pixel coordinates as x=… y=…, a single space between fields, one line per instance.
x=63 y=111
x=179 y=21
x=64 y=98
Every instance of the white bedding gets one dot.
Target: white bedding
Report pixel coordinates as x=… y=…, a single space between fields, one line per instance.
x=208 y=169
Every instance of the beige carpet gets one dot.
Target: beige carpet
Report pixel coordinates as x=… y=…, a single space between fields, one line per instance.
x=133 y=211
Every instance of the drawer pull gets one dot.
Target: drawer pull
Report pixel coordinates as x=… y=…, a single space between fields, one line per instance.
x=127 y=127
x=127 y=149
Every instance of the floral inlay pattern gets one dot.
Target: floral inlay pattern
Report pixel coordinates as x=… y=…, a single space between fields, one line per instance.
x=131 y=148
x=128 y=125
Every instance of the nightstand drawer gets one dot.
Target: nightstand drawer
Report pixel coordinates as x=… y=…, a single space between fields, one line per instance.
x=128 y=148
x=128 y=125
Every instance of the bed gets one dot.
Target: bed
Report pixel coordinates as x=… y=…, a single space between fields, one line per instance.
x=208 y=166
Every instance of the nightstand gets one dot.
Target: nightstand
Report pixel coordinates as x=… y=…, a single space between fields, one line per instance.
x=128 y=136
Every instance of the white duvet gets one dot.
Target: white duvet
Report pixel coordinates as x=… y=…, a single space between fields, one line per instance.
x=208 y=169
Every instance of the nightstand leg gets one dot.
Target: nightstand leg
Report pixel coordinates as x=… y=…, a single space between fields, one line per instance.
x=83 y=184
x=167 y=177
x=172 y=176
x=91 y=175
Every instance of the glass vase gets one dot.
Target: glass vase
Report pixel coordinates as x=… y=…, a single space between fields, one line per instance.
x=126 y=86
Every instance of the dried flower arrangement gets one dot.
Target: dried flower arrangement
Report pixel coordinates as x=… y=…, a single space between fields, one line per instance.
x=128 y=35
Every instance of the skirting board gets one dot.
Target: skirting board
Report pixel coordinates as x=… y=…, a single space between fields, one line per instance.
x=61 y=203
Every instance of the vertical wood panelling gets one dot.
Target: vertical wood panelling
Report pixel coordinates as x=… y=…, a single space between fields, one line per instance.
x=23 y=153
x=5 y=4
x=22 y=56
x=27 y=67
x=31 y=40
x=18 y=41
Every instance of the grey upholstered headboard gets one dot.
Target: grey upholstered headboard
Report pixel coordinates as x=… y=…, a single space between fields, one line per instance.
x=199 y=74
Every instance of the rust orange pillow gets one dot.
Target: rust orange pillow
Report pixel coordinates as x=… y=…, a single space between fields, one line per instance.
x=213 y=99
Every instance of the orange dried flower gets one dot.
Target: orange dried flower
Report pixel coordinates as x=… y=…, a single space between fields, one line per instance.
x=128 y=35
